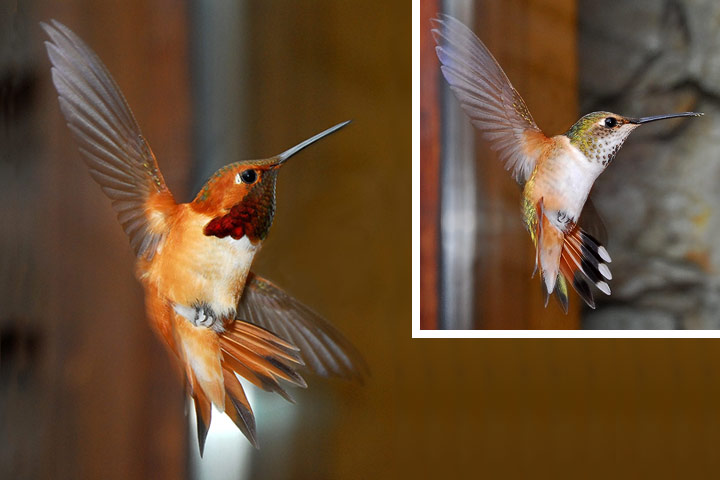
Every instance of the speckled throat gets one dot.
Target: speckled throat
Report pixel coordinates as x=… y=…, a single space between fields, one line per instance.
x=252 y=217
x=599 y=144
x=601 y=148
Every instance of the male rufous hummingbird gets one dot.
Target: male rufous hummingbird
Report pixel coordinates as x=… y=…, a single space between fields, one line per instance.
x=555 y=173
x=217 y=318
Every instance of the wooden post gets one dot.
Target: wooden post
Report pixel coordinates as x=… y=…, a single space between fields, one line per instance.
x=429 y=169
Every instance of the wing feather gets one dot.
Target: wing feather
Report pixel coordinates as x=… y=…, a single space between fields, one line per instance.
x=119 y=158
x=323 y=349
x=486 y=95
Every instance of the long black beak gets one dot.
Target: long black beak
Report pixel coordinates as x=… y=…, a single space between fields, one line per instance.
x=663 y=117
x=282 y=158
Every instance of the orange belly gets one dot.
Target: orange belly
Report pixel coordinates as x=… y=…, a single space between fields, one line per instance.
x=191 y=268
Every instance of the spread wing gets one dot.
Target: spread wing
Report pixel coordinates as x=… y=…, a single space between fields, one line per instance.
x=119 y=158
x=486 y=96
x=323 y=349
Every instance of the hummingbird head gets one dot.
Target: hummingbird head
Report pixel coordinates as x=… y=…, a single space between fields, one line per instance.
x=240 y=197
x=599 y=135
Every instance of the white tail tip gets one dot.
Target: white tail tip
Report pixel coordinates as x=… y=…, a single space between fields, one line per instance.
x=603 y=287
x=605 y=271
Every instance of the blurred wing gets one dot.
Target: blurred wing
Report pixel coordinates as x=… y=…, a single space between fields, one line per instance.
x=112 y=145
x=323 y=349
x=591 y=222
x=486 y=96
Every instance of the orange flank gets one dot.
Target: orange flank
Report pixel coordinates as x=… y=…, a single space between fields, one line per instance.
x=193 y=259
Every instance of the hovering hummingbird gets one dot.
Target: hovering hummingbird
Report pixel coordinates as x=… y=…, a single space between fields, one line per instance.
x=555 y=173
x=217 y=318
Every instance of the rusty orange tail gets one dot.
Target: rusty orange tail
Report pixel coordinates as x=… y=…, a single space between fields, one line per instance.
x=212 y=363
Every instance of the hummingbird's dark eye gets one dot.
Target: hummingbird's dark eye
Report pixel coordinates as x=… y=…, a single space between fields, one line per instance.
x=248 y=176
x=610 y=122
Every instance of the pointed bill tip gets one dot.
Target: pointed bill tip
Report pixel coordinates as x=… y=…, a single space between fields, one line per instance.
x=282 y=158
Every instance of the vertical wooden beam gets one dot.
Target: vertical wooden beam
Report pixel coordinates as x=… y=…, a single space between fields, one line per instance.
x=429 y=169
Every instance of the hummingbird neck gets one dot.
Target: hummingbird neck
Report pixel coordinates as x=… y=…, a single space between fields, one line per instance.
x=251 y=217
x=243 y=220
x=580 y=139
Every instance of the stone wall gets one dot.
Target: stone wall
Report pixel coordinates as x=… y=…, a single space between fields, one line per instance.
x=659 y=197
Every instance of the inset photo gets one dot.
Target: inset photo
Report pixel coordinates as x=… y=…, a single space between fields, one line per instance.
x=568 y=172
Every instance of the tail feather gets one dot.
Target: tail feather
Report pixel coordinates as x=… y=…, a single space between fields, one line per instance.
x=583 y=262
x=561 y=292
x=212 y=362
x=261 y=380
x=549 y=246
x=580 y=286
x=241 y=414
x=203 y=411
x=589 y=253
x=259 y=362
x=595 y=247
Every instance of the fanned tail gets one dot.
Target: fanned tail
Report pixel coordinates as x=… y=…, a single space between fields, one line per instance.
x=261 y=358
x=573 y=256
x=212 y=363
x=584 y=262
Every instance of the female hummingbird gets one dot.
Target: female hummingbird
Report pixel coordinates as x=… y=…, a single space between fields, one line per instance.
x=216 y=317
x=555 y=173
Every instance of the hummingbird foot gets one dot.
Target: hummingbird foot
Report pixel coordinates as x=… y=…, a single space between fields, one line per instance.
x=201 y=315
